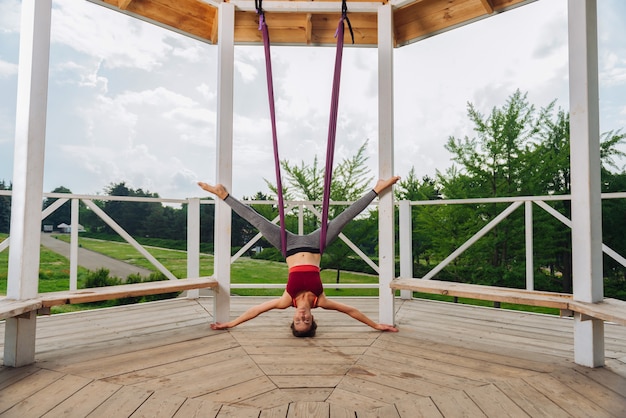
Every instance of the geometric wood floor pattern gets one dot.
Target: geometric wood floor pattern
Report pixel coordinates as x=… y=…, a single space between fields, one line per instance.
x=161 y=359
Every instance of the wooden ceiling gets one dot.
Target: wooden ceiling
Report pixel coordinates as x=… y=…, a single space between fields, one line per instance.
x=312 y=23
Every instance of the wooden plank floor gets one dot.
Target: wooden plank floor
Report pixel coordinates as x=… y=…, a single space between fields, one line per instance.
x=161 y=359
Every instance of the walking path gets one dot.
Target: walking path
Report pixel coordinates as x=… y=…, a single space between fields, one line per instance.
x=92 y=260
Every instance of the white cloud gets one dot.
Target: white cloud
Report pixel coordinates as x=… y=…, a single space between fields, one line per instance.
x=613 y=71
x=10 y=16
x=82 y=75
x=188 y=49
x=246 y=70
x=105 y=34
x=7 y=69
x=205 y=90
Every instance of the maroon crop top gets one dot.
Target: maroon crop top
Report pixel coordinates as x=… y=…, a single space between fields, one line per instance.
x=304 y=278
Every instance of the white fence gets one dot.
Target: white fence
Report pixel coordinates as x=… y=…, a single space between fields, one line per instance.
x=405 y=227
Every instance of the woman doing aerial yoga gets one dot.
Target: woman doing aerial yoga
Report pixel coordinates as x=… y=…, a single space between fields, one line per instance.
x=304 y=290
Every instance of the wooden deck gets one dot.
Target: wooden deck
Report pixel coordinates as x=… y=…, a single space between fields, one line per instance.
x=161 y=359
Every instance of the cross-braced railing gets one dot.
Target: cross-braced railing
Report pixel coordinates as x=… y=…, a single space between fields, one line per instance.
x=301 y=207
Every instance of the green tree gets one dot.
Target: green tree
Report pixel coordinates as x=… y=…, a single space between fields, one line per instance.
x=412 y=189
x=493 y=164
x=517 y=151
x=62 y=214
x=349 y=181
x=5 y=209
x=131 y=216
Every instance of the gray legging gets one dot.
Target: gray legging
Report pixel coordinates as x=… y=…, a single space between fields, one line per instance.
x=309 y=242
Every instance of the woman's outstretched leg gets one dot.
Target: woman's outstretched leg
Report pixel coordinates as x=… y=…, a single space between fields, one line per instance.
x=270 y=231
x=336 y=225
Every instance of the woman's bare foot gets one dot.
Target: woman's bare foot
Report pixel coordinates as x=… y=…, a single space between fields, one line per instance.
x=383 y=184
x=218 y=190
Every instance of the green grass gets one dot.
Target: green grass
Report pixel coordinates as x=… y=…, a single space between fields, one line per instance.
x=54 y=270
x=244 y=270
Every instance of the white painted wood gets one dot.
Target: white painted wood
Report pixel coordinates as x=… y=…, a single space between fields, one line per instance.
x=585 y=152
x=406 y=245
x=305 y=6
x=193 y=243
x=19 y=339
x=585 y=169
x=53 y=207
x=128 y=238
x=530 y=265
x=495 y=221
x=386 y=241
x=28 y=163
x=5 y=244
x=588 y=341
x=559 y=216
x=74 y=245
x=28 y=160
x=223 y=215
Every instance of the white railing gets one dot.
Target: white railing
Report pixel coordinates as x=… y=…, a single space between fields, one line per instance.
x=514 y=203
x=193 y=233
x=405 y=226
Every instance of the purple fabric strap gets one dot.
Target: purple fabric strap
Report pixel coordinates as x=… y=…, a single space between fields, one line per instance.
x=332 y=129
x=270 y=94
x=332 y=132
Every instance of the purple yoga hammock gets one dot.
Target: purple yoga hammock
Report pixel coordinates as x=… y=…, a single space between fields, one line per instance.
x=332 y=125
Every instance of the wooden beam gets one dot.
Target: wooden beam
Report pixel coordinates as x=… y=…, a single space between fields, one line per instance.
x=491 y=293
x=123 y=4
x=11 y=307
x=611 y=310
x=124 y=291
x=308 y=29
x=488 y=5
x=306 y=6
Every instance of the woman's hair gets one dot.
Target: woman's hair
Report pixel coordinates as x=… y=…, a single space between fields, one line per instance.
x=308 y=333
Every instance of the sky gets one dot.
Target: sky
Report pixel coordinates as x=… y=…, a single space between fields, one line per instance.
x=131 y=102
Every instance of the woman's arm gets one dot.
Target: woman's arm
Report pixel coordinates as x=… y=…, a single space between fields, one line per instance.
x=324 y=302
x=281 y=303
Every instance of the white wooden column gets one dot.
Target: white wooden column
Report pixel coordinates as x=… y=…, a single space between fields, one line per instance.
x=585 y=169
x=28 y=161
x=193 y=243
x=74 y=204
x=225 y=92
x=530 y=253
x=406 y=244
x=386 y=234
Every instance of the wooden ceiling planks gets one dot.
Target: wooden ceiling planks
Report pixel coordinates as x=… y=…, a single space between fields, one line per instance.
x=417 y=21
x=192 y=17
x=295 y=25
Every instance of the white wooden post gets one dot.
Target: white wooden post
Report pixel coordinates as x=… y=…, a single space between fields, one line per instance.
x=530 y=262
x=28 y=160
x=74 y=245
x=585 y=168
x=223 y=215
x=193 y=243
x=386 y=241
x=406 y=245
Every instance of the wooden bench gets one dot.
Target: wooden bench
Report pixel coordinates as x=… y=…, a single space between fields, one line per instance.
x=611 y=310
x=10 y=308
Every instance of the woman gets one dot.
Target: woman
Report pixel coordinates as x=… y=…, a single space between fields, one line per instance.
x=304 y=290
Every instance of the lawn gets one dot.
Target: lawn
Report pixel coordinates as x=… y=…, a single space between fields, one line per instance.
x=244 y=270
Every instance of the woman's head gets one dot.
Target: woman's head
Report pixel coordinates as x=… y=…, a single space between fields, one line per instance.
x=304 y=332
x=303 y=324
